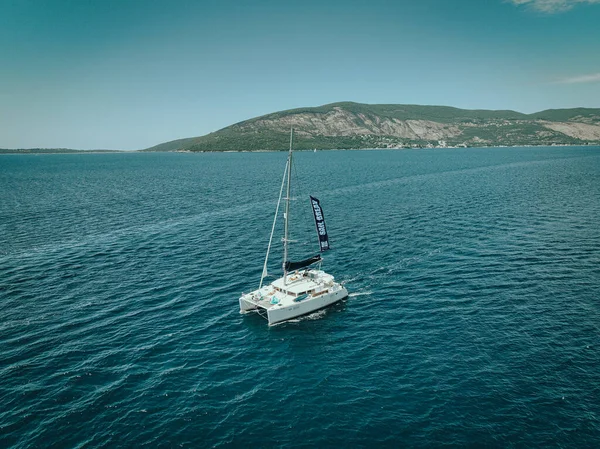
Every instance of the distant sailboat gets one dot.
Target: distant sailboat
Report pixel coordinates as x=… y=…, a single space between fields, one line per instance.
x=301 y=289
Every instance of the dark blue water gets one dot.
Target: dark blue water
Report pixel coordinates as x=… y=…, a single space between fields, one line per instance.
x=473 y=318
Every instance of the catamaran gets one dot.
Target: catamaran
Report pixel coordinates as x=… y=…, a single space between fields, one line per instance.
x=302 y=289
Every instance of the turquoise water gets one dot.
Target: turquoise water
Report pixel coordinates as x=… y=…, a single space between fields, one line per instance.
x=473 y=317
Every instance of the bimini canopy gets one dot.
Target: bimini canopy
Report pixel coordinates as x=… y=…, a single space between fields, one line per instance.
x=292 y=266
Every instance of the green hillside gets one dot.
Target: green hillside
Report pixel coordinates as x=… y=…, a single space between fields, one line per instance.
x=357 y=125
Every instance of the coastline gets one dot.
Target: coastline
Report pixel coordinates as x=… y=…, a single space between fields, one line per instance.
x=37 y=153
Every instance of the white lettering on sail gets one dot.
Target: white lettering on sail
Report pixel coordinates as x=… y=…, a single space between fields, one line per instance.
x=320 y=222
x=321 y=227
x=317 y=210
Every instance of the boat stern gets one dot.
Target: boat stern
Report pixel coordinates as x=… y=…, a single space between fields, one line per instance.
x=247 y=304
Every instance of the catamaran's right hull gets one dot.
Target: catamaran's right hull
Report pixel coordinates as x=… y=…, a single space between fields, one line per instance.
x=278 y=315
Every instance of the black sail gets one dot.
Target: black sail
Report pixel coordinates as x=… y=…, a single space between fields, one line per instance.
x=320 y=224
x=292 y=266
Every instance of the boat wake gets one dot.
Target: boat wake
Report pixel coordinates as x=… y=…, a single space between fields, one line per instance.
x=310 y=317
x=355 y=294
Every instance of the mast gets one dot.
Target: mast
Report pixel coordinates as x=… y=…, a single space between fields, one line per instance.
x=264 y=272
x=286 y=215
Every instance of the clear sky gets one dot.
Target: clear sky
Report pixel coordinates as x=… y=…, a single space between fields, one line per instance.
x=129 y=74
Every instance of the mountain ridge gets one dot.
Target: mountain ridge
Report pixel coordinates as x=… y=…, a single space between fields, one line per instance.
x=350 y=125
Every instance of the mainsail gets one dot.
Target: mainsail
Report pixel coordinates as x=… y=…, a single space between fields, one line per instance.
x=320 y=224
x=292 y=266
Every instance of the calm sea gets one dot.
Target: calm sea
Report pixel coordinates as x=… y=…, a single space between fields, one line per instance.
x=473 y=317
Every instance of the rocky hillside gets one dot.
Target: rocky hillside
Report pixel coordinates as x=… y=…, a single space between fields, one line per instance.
x=355 y=125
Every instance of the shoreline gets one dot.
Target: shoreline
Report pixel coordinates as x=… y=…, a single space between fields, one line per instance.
x=77 y=152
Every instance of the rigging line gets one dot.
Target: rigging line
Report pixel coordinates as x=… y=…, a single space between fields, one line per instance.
x=264 y=272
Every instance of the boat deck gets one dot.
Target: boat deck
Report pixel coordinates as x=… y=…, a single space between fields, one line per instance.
x=298 y=287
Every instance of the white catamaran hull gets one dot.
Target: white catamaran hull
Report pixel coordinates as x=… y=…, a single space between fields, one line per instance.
x=305 y=307
x=281 y=312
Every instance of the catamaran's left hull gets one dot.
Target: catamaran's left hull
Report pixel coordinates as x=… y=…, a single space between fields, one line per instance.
x=247 y=306
x=278 y=315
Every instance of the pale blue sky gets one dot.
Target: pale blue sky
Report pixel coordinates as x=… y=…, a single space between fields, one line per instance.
x=128 y=74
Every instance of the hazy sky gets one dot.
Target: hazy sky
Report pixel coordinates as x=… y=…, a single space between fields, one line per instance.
x=128 y=74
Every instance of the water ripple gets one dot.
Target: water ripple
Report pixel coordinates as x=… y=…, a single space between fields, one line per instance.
x=473 y=315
